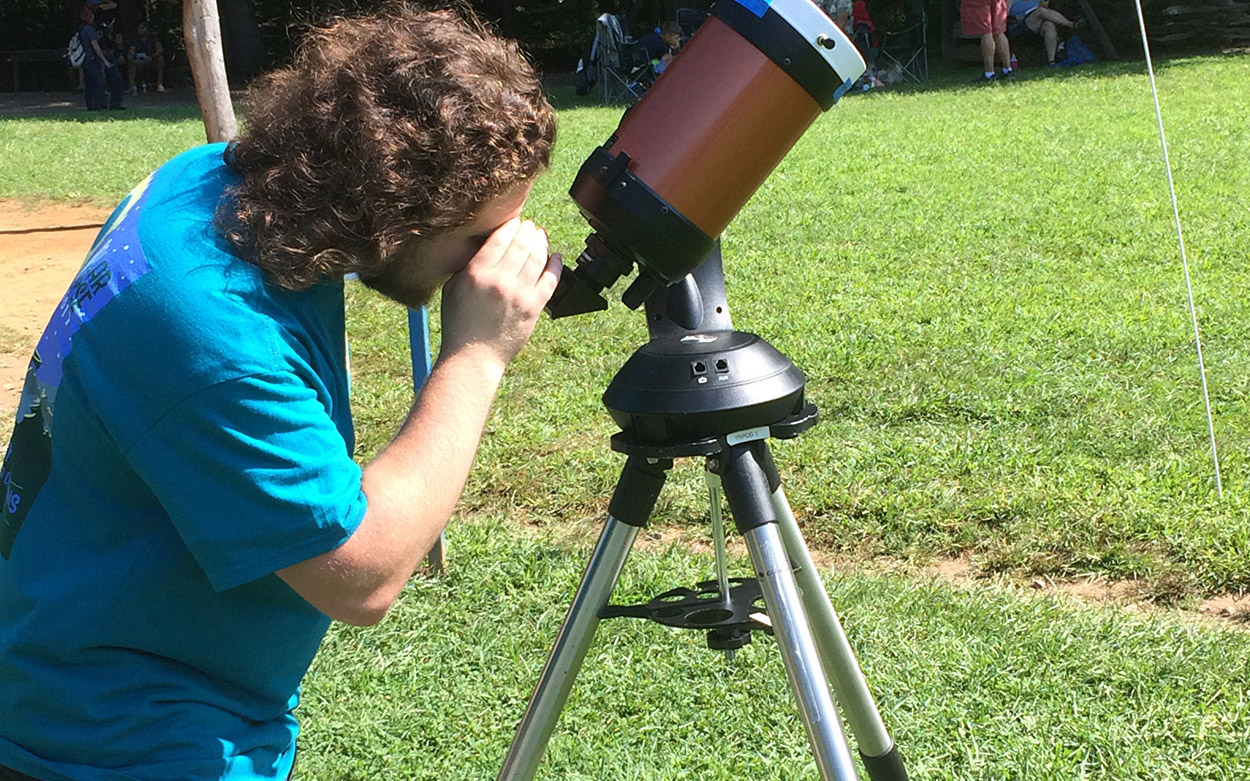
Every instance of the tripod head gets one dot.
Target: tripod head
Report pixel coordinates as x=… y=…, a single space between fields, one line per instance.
x=685 y=159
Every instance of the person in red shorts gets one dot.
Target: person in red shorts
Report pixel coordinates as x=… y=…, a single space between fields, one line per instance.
x=988 y=19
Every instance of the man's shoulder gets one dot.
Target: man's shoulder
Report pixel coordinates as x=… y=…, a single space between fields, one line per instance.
x=189 y=185
x=203 y=282
x=178 y=235
x=207 y=155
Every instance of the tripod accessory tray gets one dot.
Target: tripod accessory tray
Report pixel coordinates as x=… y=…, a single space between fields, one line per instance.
x=728 y=621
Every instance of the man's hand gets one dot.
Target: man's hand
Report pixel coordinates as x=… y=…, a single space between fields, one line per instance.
x=489 y=311
x=490 y=307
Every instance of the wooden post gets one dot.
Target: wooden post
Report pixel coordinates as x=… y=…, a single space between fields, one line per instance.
x=201 y=29
x=1108 y=48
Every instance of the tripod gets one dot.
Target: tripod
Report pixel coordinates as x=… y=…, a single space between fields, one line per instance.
x=700 y=389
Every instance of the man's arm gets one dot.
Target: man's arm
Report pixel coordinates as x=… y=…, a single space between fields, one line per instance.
x=489 y=311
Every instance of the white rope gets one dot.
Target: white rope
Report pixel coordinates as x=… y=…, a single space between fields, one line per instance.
x=1180 y=238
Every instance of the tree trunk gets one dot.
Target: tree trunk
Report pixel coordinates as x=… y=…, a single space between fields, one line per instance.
x=240 y=36
x=202 y=33
x=1108 y=48
x=946 y=28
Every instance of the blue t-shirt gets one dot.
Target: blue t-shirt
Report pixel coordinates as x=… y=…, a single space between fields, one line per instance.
x=86 y=34
x=184 y=432
x=1022 y=8
x=654 y=45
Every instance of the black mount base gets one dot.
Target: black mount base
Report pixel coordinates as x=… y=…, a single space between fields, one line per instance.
x=700 y=388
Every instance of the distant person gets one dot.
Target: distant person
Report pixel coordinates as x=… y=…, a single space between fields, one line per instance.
x=988 y=20
x=839 y=11
x=105 y=15
x=862 y=31
x=1030 y=16
x=147 y=58
x=102 y=79
x=661 y=45
x=114 y=46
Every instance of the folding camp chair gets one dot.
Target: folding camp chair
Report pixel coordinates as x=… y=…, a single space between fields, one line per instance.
x=908 y=48
x=689 y=19
x=624 y=70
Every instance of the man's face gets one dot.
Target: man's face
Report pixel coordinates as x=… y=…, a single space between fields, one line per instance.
x=143 y=29
x=424 y=264
x=671 y=40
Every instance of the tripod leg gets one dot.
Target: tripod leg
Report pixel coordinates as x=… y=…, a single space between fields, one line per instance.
x=876 y=748
x=750 y=500
x=632 y=503
x=718 y=542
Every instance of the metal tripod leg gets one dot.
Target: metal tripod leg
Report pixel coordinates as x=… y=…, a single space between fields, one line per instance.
x=750 y=500
x=635 y=496
x=876 y=748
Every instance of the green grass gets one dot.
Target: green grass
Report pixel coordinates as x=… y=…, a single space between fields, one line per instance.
x=974 y=683
x=981 y=283
x=983 y=288
x=90 y=157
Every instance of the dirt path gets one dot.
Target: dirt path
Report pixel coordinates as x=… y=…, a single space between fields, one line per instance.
x=40 y=250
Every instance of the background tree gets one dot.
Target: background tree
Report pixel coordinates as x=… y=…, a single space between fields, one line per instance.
x=202 y=32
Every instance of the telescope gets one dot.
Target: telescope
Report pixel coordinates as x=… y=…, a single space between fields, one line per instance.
x=692 y=151
x=657 y=195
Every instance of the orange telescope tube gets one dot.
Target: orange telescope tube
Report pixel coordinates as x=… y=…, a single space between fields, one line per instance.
x=703 y=138
x=708 y=133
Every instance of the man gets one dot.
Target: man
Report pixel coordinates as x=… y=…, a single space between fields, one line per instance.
x=988 y=20
x=102 y=78
x=105 y=15
x=182 y=515
x=839 y=11
x=147 y=58
x=1030 y=16
x=661 y=45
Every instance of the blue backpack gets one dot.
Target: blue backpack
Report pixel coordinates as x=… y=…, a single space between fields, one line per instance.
x=1077 y=52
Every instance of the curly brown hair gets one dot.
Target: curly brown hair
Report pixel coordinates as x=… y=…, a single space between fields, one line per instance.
x=388 y=126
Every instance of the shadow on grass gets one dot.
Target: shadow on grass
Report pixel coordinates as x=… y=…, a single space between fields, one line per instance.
x=564 y=97
x=170 y=114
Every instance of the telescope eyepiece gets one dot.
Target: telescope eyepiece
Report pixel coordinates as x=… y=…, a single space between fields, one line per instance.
x=579 y=290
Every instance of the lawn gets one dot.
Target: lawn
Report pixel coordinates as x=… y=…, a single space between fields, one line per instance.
x=983 y=287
